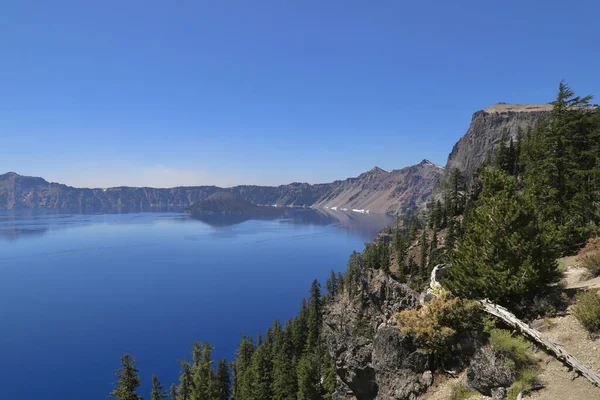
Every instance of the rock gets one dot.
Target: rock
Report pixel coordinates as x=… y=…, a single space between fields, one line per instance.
x=398 y=365
x=372 y=357
x=499 y=393
x=427 y=378
x=486 y=129
x=489 y=370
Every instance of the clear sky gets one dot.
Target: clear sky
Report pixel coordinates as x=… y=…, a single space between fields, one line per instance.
x=165 y=93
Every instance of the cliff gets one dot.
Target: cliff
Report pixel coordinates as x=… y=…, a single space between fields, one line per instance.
x=487 y=128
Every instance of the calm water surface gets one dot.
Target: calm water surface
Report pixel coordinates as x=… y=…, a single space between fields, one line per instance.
x=77 y=291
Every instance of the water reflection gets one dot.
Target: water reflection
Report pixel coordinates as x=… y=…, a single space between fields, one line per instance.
x=23 y=224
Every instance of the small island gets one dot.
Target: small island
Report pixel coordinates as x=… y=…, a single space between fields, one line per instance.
x=226 y=203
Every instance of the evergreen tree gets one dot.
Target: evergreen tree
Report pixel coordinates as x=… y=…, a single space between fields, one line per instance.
x=157 y=390
x=434 y=257
x=222 y=381
x=384 y=258
x=309 y=377
x=186 y=382
x=173 y=392
x=202 y=371
x=128 y=380
x=423 y=260
x=315 y=316
x=285 y=381
x=340 y=282
x=260 y=372
x=503 y=255
x=241 y=387
x=332 y=284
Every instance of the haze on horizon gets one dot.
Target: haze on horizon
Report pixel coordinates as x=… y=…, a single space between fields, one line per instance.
x=199 y=93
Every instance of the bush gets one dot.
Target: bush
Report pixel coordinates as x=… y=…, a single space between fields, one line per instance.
x=591 y=262
x=516 y=348
x=461 y=392
x=527 y=379
x=437 y=325
x=587 y=310
x=518 y=353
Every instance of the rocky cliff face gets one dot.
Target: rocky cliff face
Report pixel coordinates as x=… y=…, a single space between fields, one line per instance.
x=487 y=128
x=377 y=191
x=373 y=359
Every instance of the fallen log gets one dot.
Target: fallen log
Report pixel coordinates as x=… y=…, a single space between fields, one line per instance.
x=558 y=352
x=500 y=312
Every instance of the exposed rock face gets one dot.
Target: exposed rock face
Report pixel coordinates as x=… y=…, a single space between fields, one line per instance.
x=373 y=358
x=377 y=191
x=487 y=128
x=489 y=371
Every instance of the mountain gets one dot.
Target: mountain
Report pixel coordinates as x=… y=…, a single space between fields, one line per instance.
x=378 y=191
x=487 y=128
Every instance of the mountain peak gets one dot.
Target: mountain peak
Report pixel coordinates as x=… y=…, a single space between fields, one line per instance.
x=376 y=170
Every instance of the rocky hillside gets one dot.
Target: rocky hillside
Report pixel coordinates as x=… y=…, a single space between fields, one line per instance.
x=487 y=128
x=377 y=191
x=373 y=359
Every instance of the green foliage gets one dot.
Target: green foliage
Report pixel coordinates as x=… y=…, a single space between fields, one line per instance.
x=504 y=254
x=222 y=381
x=587 y=310
x=461 y=392
x=128 y=380
x=527 y=379
x=517 y=348
x=592 y=263
x=562 y=169
x=437 y=325
x=157 y=390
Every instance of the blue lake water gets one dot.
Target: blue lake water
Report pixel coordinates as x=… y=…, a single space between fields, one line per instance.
x=77 y=291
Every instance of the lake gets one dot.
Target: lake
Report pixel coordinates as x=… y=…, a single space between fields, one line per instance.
x=77 y=291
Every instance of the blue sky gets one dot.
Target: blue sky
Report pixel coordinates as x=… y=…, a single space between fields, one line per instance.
x=268 y=92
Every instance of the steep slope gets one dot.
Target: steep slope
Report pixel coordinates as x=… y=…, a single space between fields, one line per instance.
x=402 y=190
x=487 y=128
x=376 y=190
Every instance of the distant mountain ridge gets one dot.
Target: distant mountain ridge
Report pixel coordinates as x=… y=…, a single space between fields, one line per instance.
x=404 y=190
x=378 y=191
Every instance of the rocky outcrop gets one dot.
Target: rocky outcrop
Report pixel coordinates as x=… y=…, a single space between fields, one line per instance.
x=378 y=191
x=490 y=371
x=487 y=128
x=374 y=360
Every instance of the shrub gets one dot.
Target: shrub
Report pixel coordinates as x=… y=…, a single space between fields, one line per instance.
x=587 y=310
x=437 y=325
x=516 y=348
x=591 y=262
x=518 y=353
x=461 y=392
x=527 y=379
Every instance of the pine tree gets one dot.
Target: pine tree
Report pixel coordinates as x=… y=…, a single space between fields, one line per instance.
x=285 y=381
x=222 y=381
x=173 y=392
x=128 y=380
x=186 y=382
x=202 y=371
x=332 y=284
x=503 y=255
x=241 y=386
x=157 y=390
x=309 y=377
x=340 y=281
x=315 y=316
x=434 y=258
x=423 y=259
x=384 y=258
